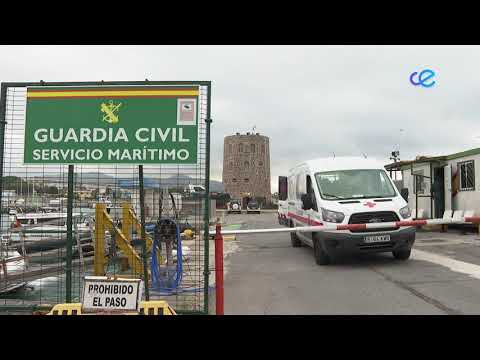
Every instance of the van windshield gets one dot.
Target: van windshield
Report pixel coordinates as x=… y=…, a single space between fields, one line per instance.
x=354 y=184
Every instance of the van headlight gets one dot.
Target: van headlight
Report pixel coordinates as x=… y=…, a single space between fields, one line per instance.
x=332 y=216
x=405 y=212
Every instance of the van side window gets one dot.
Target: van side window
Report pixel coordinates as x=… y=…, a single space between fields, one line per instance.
x=291 y=188
x=311 y=191
x=301 y=188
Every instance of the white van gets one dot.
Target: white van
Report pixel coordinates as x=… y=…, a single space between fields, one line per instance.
x=347 y=190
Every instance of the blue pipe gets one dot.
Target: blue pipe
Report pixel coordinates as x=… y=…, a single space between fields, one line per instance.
x=163 y=286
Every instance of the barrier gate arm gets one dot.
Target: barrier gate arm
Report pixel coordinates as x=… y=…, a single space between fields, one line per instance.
x=369 y=226
x=218 y=233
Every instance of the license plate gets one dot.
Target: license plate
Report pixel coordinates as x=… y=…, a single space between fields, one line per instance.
x=376 y=238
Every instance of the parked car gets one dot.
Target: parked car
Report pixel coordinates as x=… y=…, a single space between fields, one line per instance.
x=253 y=207
x=347 y=191
x=234 y=206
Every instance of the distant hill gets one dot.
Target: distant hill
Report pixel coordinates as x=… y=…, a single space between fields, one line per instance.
x=103 y=179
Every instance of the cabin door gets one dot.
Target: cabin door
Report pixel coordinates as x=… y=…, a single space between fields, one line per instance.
x=438 y=190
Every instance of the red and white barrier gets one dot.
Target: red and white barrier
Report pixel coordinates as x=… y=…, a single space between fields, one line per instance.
x=219 y=286
x=356 y=227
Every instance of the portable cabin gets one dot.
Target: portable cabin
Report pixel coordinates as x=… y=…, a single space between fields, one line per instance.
x=441 y=183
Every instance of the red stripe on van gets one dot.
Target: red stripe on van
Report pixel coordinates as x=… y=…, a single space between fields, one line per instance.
x=304 y=219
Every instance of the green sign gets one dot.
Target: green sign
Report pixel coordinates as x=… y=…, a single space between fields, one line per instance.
x=111 y=125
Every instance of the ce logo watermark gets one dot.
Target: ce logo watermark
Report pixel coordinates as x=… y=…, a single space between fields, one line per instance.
x=424 y=78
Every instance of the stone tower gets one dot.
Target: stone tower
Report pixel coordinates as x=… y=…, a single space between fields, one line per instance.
x=246 y=166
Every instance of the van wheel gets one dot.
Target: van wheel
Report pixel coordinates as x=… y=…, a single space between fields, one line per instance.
x=402 y=255
x=321 y=258
x=296 y=242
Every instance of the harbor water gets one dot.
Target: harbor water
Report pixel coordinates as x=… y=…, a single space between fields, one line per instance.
x=49 y=289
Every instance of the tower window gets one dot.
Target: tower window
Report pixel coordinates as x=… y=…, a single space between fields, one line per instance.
x=246 y=180
x=240 y=147
x=252 y=148
x=245 y=164
x=229 y=148
x=263 y=148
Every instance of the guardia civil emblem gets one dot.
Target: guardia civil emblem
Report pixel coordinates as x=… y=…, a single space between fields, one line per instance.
x=110 y=112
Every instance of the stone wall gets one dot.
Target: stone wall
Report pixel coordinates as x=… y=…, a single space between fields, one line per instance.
x=246 y=166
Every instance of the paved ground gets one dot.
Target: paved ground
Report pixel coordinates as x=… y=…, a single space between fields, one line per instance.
x=266 y=275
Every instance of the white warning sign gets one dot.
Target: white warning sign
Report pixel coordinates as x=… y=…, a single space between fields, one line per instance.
x=104 y=294
x=186 y=111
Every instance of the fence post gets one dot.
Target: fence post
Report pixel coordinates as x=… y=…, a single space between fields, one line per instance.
x=206 y=215
x=218 y=269
x=142 y=223
x=99 y=248
x=68 y=266
x=3 y=112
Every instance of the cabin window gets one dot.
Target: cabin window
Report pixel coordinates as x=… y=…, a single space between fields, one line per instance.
x=418 y=182
x=467 y=175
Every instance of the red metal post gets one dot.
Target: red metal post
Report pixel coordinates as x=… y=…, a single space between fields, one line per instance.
x=218 y=269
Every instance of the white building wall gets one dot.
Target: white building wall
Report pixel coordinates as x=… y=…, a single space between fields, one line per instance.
x=467 y=200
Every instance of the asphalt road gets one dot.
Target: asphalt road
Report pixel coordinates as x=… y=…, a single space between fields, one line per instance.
x=266 y=275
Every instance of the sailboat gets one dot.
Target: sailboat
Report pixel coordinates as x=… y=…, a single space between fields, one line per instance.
x=11 y=263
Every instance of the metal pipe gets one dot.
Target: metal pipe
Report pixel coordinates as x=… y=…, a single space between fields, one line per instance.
x=416 y=195
x=219 y=270
x=142 y=224
x=431 y=197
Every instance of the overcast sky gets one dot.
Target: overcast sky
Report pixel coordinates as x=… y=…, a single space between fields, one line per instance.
x=312 y=101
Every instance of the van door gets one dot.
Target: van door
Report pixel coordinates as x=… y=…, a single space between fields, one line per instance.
x=438 y=191
x=311 y=214
x=302 y=216
x=282 y=188
x=291 y=196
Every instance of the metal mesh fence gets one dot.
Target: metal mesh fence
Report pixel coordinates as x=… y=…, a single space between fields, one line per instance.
x=34 y=211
